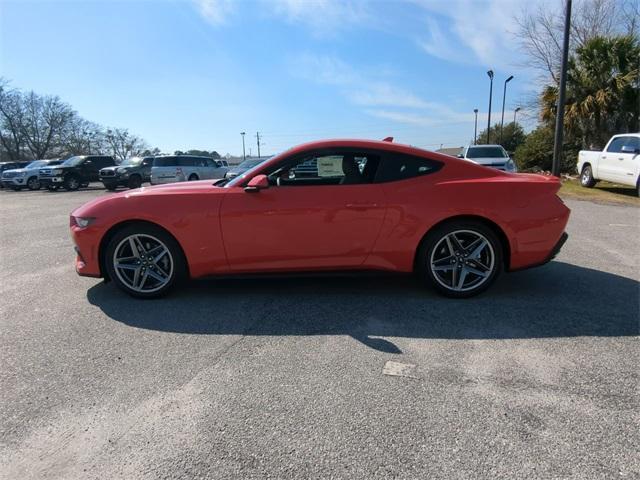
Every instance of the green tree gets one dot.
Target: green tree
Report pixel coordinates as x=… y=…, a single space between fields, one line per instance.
x=512 y=136
x=536 y=153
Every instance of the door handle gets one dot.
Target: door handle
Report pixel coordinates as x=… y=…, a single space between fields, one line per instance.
x=361 y=206
x=620 y=158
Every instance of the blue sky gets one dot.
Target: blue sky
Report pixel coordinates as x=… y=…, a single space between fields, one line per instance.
x=193 y=74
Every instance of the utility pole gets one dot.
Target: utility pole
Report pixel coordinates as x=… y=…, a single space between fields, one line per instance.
x=504 y=95
x=490 y=73
x=514 y=115
x=475 y=128
x=258 y=140
x=244 y=157
x=557 y=143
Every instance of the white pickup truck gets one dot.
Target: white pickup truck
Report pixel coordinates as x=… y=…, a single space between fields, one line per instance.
x=619 y=162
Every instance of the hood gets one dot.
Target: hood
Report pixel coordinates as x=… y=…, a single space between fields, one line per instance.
x=14 y=171
x=113 y=167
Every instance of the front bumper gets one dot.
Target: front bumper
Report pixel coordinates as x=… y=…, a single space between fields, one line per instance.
x=46 y=181
x=86 y=245
x=14 y=182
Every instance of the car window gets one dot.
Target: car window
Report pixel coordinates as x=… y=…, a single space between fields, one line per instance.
x=335 y=168
x=486 y=152
x=633 y=142
x=616 y=144
x=397 y=166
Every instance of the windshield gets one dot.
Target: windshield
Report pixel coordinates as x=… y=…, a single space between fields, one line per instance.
x=73 y=161
x=249 y=163
x=131 y=161
x=37 y=164
x=486 y=152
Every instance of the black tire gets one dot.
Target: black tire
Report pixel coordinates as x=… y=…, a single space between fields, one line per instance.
x=193 y=177
x=110 y=186
x=457 y=267
x=135 y=181
x=586 y=177
x=146 y=231
x=71 y=183
x=33 y=183
x=52 y=188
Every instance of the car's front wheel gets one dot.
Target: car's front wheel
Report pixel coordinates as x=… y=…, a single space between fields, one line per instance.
x=135 y=181
x=145 y=261
x=71 y=183
x=461 y=258
x=33 y=183
x=586 y=178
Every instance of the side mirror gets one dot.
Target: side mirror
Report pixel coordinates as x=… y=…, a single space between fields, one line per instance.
x=460 y=155
x=257 y=183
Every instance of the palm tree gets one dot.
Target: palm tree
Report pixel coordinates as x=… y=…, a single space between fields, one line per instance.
x=603 y=81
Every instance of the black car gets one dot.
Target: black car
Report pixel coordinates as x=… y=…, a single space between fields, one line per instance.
x=243 y=167
x=130 y=173
x=11 y=166
x=75 y=172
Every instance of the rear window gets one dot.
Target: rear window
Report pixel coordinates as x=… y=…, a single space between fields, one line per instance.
x=401 y=167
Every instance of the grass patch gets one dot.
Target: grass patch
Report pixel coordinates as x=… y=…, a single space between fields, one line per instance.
x=604 y=192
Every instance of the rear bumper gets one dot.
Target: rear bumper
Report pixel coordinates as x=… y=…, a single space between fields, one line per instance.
x=554 y=252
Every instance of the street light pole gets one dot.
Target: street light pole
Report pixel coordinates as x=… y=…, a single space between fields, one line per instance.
x=244 y=156
x=557 y=143
x=475 y=128
x=258 y=140
x=504 y=95
x=514 y=115
x=490 y=73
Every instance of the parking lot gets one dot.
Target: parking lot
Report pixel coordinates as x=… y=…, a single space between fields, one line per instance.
x=283 y=377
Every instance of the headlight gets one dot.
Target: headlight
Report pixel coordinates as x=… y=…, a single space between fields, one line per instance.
x=81 y=222
x=21 y=174
x=57 y=171
x=121 y=170
x=510 y=166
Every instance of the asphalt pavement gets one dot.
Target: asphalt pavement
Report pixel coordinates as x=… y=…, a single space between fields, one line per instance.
x=322 y=377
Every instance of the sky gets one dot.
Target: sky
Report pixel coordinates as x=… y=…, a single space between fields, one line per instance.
x=194 y=74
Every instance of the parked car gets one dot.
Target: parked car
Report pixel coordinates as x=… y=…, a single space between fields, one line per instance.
x=132 y=173
x=180 y=168
x=454 y=222
x=493 y=156
x=619 y=162
x=11 y=166
x=27 y=177
x=242 y=167
x=222 y=162
x=75 y=172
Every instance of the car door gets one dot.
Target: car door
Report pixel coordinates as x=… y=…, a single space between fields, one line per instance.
x=629 y=161
x=145 y=168
x=608 y=165
x=305 y=222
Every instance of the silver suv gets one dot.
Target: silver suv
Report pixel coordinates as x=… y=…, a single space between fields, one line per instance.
x=493 y=156
x=180 y=168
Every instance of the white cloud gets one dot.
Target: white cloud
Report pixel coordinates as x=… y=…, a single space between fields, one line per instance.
x=324 y=17
x=215 y=12
x=379 y=98
x=472 y=30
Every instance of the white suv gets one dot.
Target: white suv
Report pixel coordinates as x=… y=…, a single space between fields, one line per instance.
x=493 y=156
x=180 y=168
x=27 y=177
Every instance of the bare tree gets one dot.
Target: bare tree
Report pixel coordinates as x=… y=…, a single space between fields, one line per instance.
x=540 y=31
x=11 y=120
x=82 y=137
x=124 y=144
x=45 y=120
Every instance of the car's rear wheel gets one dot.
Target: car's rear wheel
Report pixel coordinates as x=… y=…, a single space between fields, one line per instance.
x=193 y=177
x=71 y=183
x=135 y=181
x=33 y=183
x=144 y=261
x=586 y=177
x=461 y=258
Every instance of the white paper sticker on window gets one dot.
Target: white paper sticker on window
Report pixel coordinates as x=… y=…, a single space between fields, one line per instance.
x=330 y=167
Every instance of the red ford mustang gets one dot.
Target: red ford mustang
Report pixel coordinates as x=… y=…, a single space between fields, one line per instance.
x=326 y=206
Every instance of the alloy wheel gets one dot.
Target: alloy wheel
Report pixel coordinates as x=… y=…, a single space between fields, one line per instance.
x=462 y=260
x=143 y=263
x=33 y=183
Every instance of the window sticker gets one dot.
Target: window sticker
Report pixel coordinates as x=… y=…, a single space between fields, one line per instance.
x=330 y=167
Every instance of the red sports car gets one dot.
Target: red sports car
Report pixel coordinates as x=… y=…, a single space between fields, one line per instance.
x=327 y=206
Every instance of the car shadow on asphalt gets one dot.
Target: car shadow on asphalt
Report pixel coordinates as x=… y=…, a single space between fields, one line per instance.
x=557 y=300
